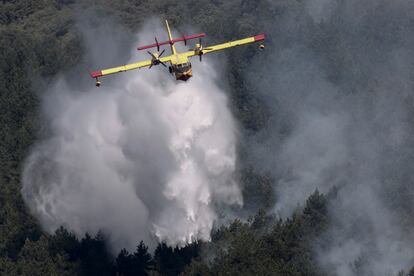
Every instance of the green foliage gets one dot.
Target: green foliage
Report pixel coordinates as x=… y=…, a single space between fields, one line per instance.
x=138 y=263
x=35 y=259
x=31 y=45
x=172 y=261
x=39 y=39
x=266 y=246
x=95 y=259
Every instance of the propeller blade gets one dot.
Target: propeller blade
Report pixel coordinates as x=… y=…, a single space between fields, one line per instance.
x=161 y=53
x=158 y=46
x=185 y=40
x=201 y=57
x=150 y=66
x=163 y=64
x=151 y=54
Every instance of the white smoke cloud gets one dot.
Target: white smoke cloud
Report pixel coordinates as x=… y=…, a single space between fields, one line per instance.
x=340 y=91
x=144 y=157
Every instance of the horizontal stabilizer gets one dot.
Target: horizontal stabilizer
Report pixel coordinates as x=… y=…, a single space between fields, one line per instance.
x=183 y=38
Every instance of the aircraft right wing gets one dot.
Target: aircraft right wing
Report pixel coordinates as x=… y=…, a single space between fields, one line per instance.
x=219 y=47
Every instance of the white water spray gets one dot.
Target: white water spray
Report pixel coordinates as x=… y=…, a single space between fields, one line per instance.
x=142 y=158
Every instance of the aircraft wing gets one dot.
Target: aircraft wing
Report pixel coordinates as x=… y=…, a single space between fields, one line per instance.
x=127 y=67
x=219 y=47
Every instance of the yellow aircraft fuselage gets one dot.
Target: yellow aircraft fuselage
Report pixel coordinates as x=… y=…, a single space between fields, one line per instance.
x=182 y=69
x=180 y=64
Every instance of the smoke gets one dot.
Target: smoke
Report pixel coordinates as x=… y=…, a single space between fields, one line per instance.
x=339 y=85
x=144 y=157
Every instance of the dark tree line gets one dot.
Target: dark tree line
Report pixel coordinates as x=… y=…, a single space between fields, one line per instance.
x=262 y=245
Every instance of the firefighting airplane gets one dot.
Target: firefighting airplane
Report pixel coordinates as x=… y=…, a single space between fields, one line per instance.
x=180 y=64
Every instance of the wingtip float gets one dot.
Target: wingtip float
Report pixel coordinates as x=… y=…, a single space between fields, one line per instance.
x=179 y=62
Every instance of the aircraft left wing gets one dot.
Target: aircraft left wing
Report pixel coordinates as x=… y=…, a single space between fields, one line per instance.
x=218 y=47
x=127 y=67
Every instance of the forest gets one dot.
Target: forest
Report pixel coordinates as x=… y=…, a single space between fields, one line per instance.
x=364 y=70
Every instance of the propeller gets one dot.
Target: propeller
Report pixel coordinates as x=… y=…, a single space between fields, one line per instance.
x=199 y=49
x=156 y=58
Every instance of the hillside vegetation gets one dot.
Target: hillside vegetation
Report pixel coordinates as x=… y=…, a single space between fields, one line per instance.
x=39 y=39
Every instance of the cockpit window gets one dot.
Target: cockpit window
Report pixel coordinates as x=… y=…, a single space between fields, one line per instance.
x=183 y=67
